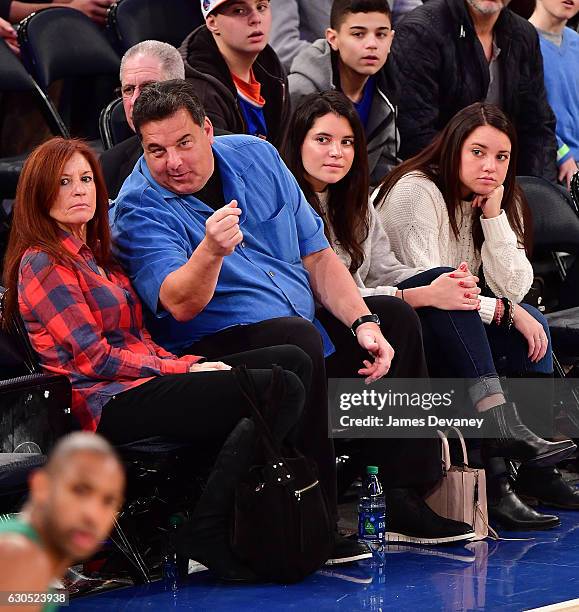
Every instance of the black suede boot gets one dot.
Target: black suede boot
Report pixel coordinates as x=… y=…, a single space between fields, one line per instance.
x=546 y=486
x=504 y=435
x=410 y=519
x=506 y=510
x=206 y=538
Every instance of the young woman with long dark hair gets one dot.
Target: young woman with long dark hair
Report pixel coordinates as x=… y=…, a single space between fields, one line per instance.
x=326 y=151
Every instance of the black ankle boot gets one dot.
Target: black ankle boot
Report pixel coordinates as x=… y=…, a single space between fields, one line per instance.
x=410 y=519
x=206 y=538
x=546 y=486
x=504 y=435
x=506 y=510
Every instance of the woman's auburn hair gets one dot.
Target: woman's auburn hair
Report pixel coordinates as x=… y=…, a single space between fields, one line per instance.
x=348 y=198
x=440 y=162
x=32 y=225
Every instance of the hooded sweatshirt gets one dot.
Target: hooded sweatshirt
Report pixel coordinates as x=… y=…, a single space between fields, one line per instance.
x=207 y=70
x=315 y=70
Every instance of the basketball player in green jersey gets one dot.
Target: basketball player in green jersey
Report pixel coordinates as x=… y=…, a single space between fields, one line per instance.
x=72 y=505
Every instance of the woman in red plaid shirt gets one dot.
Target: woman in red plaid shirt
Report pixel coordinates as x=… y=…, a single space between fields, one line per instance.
x=85 y=321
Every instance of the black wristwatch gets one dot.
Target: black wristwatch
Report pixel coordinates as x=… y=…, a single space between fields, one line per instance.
x=371 y=318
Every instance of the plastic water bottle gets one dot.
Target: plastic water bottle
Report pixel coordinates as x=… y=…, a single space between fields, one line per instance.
x=170 y=558
x=372 y=514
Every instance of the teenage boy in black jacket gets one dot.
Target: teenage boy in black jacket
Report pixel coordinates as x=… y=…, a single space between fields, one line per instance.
x=237 y=76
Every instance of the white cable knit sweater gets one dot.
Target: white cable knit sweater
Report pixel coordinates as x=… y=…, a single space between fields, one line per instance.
x=415 y=218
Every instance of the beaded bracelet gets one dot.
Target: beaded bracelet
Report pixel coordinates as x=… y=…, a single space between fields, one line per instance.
x=509 y=313
x=500 y=311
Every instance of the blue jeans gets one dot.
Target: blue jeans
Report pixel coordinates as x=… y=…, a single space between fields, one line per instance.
x=458 y=345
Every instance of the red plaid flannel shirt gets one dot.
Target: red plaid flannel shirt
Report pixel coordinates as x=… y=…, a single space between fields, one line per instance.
x=89 y=328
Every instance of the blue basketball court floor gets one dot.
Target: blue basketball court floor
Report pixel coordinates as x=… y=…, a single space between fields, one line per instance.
x=538 y=569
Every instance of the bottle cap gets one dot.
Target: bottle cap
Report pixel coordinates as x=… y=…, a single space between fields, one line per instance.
x=371 y=469
x=175 y=520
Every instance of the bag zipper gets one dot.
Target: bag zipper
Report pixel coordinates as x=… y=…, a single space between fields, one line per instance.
x=299 y=492
x=298 y=495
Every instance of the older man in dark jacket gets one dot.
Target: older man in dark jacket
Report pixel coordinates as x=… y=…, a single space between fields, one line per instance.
x=448 y=54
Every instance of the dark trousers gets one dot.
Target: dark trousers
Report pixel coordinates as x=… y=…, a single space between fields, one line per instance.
x=313 y=438
x=206 y=406
x=458 y=344
x=404 y=462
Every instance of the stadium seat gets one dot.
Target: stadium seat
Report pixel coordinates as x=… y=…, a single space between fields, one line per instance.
x=15 y=79
x=34 y=406
x=113 y=124
x=15 y=469
x=555 y=240
x=132 y=21
x=575 y=190
x=556 y=235
x=63 y=44
x=555 y=219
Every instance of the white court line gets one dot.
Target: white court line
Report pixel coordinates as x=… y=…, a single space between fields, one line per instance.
x=569 y=606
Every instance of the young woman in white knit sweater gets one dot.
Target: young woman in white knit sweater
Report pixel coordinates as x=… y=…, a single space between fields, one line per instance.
x=326 y=151
x=458 y=201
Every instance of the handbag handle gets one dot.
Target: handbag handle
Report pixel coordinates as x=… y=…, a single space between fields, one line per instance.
x=462 y=443
x=247 y=387
x=445 y=451
x=446 y=447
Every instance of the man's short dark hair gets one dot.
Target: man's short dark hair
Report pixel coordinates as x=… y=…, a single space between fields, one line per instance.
x=341 y=9
x=158 y=101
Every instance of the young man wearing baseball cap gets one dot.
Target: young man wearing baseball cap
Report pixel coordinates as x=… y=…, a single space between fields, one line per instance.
x=237 y=76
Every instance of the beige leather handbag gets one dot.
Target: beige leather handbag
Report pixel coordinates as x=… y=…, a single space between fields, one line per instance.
x=461 y=493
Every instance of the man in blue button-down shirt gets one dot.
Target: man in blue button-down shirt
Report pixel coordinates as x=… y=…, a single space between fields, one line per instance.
x=261 y=256
x=225 y=251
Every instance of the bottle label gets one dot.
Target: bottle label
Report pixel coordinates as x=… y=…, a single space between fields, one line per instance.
x=372 y=525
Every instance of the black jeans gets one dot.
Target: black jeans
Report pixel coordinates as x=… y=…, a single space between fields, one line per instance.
x=312 y=435
x=206 y=406
x=404 y=462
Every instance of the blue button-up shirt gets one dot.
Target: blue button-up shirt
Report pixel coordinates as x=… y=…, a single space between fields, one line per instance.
x=155 y=232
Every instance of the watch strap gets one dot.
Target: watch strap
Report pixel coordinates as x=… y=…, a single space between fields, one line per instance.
x=370 y=318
